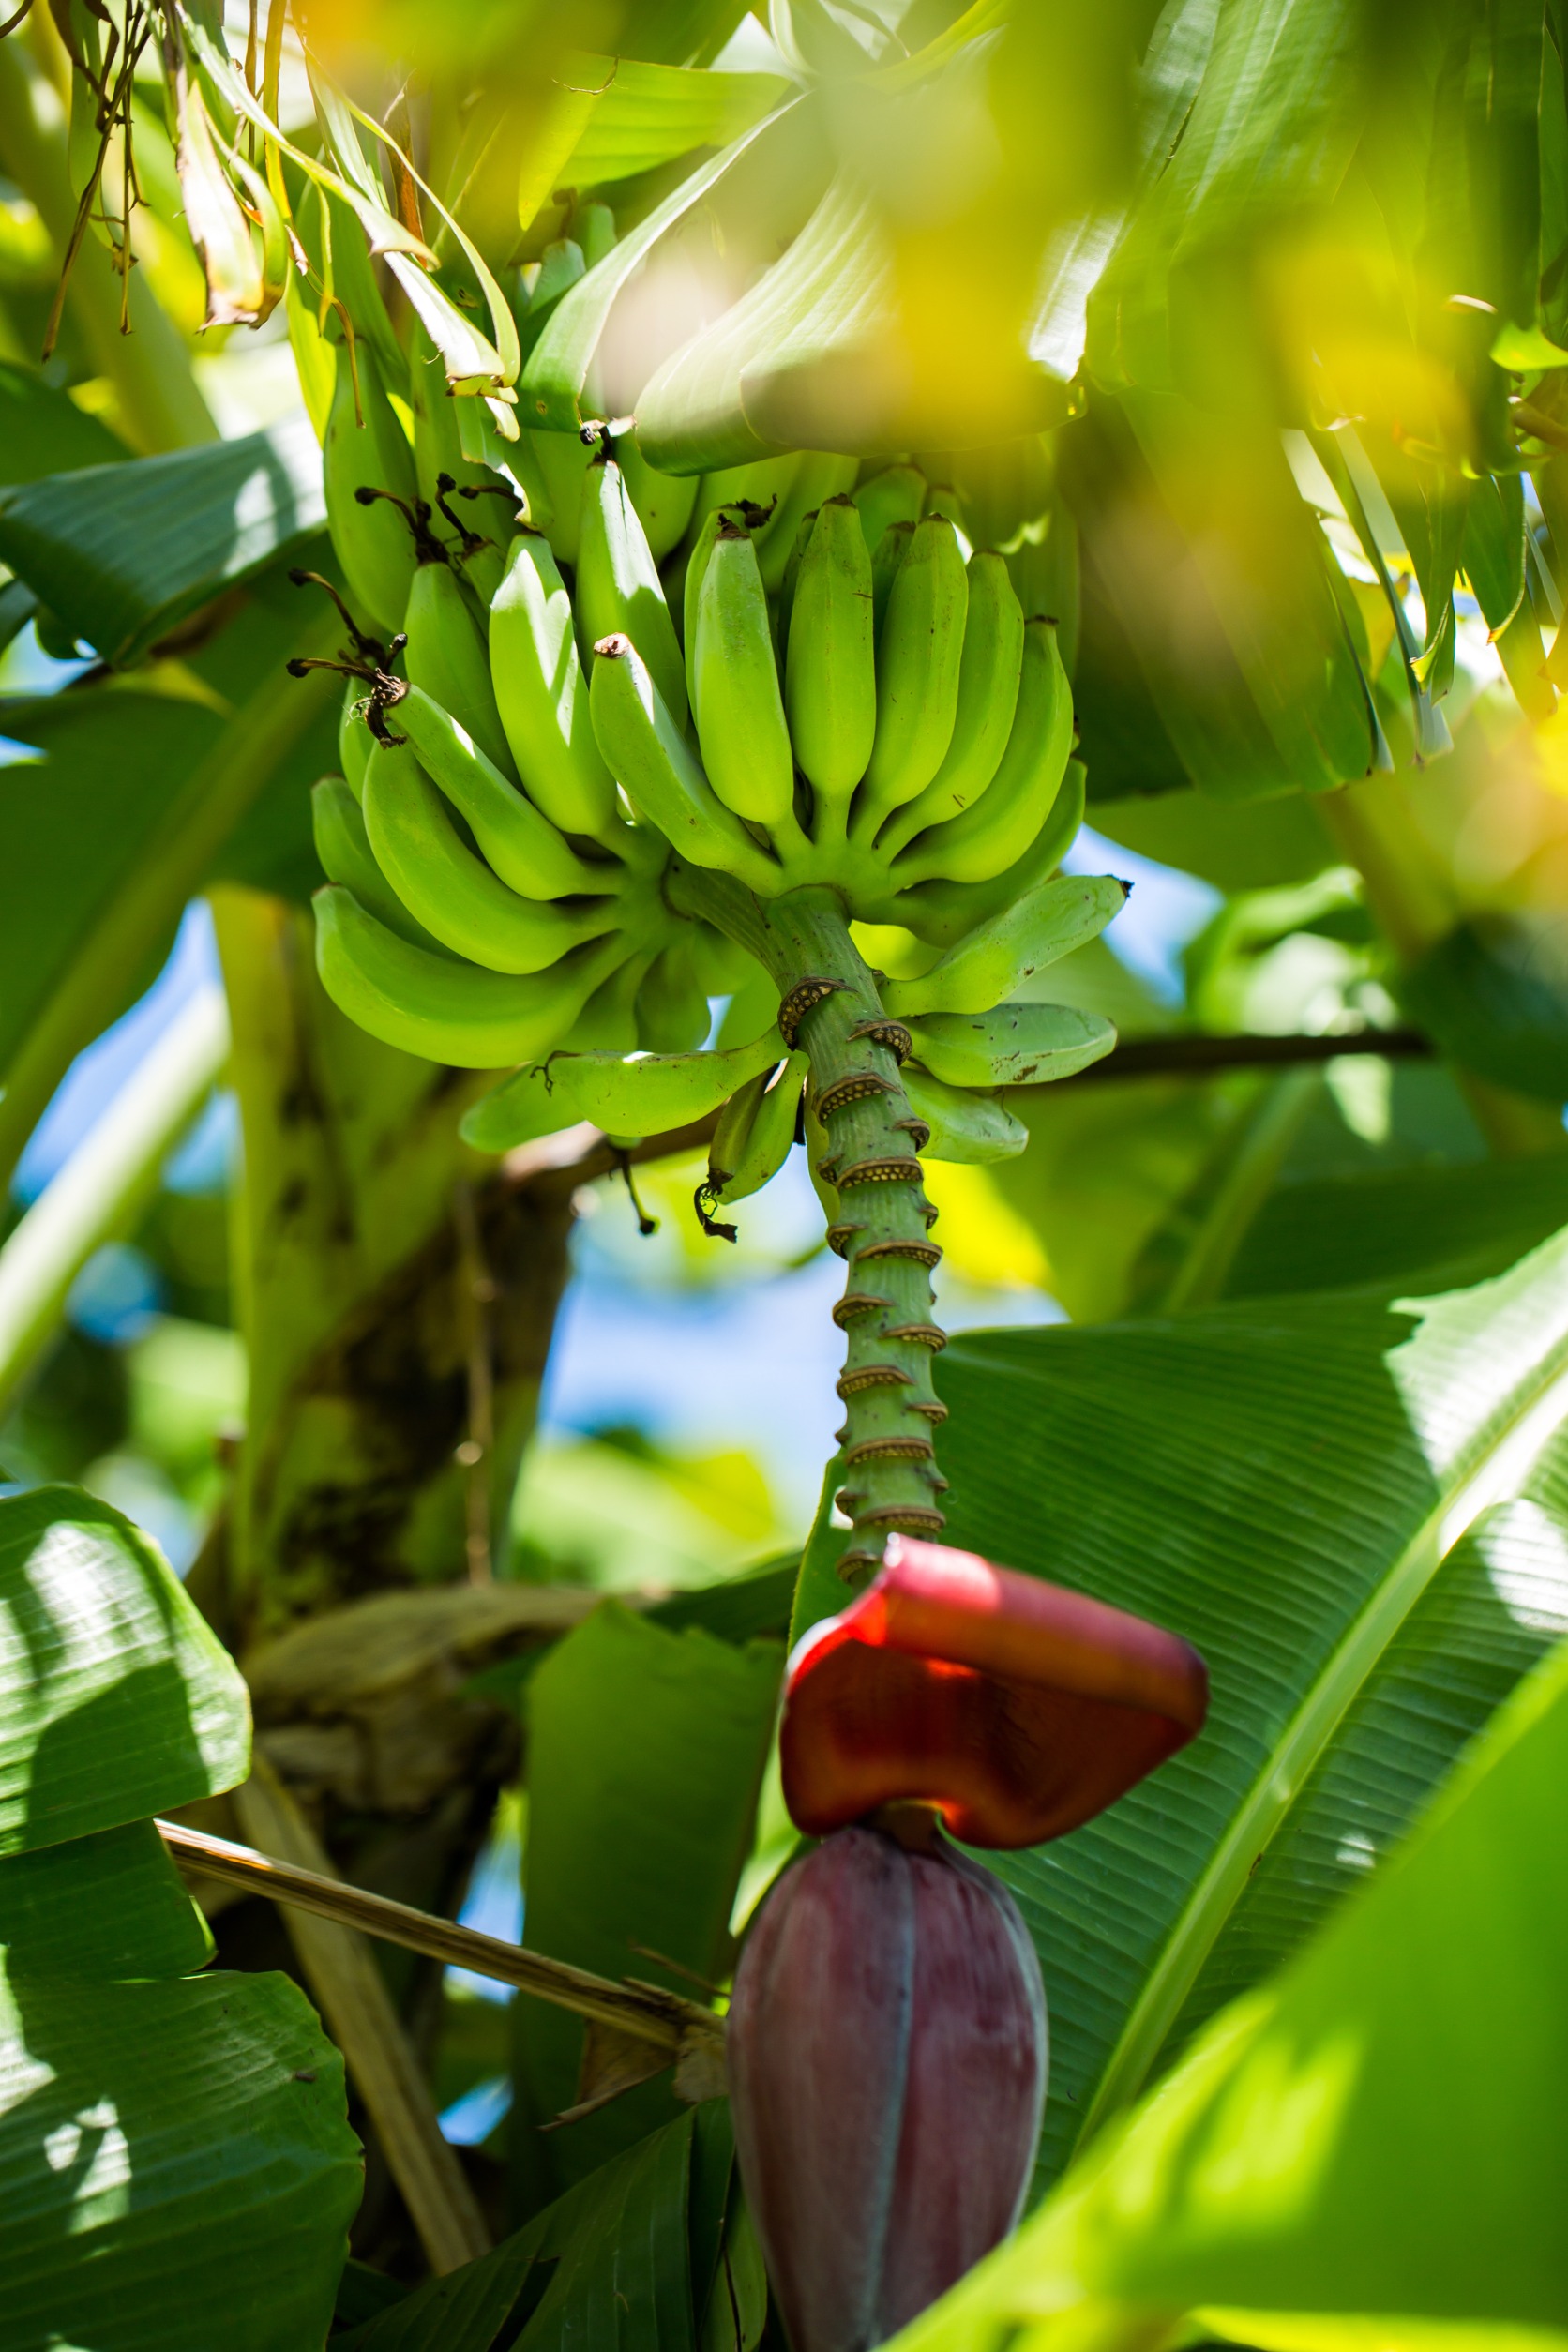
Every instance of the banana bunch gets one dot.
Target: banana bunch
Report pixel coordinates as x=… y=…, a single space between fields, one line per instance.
x=781 y=676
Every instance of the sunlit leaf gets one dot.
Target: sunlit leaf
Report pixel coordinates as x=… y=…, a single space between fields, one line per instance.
x=1336 y=1503
x=1291 y=2165
x=123 y=553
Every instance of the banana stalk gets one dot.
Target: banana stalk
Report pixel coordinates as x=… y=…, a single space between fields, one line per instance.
x=880 y=1220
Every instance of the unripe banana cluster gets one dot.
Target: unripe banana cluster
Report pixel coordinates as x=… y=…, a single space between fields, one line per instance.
x=616 y=744
x=530 y=751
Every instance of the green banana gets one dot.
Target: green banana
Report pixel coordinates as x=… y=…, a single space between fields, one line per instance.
x=343 y=847
x=446 y=656
x=650 y=760
x=975 y=1129
x=727 y=1148
x=697 y=564
x=994 y=961
x=764 y=483
x=372 y=542
x=1014 y=1045
x=784 y=603
x=618 y=586
x=830 y=676
x=437 y=443
x=541 y=693
x=919 y=658
x=740 y=1163
x=940 y=913
x=523 y=847
x=1008 y=816
x=891 y=550
x=608 y=1022
x=735 y=696
x=562 y=461
x=663 y=501
x=354 y=738
x=819 y=476
x=622 y=1094
x=453 y=893
x=988 y=677
x=897 y=494
x=443 y=1010
x=672 y=1015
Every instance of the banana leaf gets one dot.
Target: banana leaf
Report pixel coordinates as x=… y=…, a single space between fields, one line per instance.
x=625 y=2258
x=646 y=114
x=1494 y=993
x=123 y=554
x=1436 y=1227
x=158 y=795
x=175 y=2161
x=44 y=431
x=647 y=1749
x=1287 y=2185
x=1354 y=1509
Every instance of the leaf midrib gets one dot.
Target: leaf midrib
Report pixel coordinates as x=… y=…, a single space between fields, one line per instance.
x=1473 y=1485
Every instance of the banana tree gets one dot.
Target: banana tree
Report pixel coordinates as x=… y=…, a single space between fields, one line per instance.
x=1063 y=413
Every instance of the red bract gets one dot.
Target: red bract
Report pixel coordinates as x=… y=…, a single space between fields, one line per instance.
x=1014 y=1708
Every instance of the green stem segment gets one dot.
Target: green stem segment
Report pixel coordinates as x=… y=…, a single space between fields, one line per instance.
x=865 y=1142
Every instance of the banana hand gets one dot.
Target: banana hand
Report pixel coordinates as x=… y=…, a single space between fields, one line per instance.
x=994 y=961
x=622 y=1094
x=445 y=1011
x=1017 y=1045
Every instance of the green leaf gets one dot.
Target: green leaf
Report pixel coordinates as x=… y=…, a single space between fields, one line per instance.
x=608 y=2264
x=1250 y=845
x=43 y=431
x=1354 y=1511
x=1493 y=548
x=1252 y=114
x=1381 y=2130
x=739 y=1608
x=550 y=392
x=122 y=555
x=645 y=1750
x=115 y=1698
x=174 y=2152
x=1494 y=994
x=109 y=1905
x=157 y=795
x=176 y=2167
x=648 y=114
x=1440 y=1227
x=1219 y=575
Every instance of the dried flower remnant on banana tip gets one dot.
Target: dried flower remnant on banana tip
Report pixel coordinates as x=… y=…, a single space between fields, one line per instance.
x=887 y=2036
